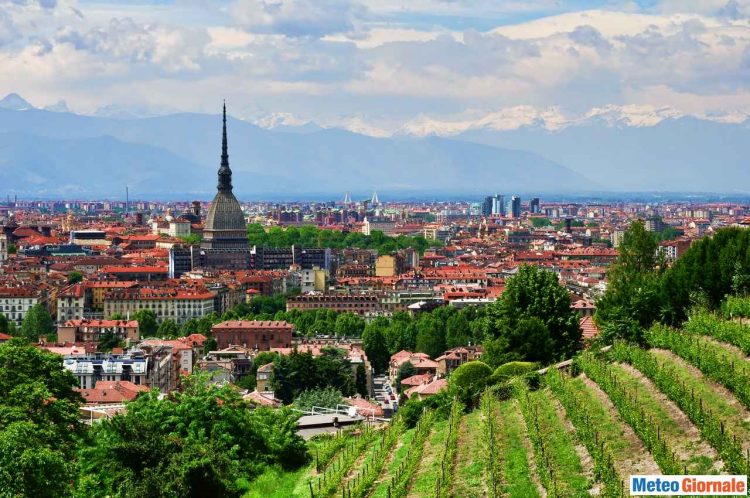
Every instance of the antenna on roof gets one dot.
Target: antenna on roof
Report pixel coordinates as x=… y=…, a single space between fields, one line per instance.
x=127 y=202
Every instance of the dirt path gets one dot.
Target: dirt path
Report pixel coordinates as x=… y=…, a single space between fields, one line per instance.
x=731 y=348
x=742 y=421
x=689 y=444
x=637 y=459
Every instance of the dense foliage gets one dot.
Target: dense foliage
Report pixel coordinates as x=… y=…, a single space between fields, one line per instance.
x=38 y=422
x=37 y=323
x=299 y=372
x=327 y=397
x=642 y=289
x=468 y=380
x=532 y=320
x=201 y=441
x=312 y=236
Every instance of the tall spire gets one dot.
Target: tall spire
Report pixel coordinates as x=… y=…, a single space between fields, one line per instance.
x=225 y=174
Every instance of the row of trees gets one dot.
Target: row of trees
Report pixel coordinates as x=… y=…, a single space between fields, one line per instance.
x=201 y=441
x=532 y=321
x=312 y=236
x=643 y=288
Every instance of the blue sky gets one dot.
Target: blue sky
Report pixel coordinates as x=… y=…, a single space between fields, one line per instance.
x=378 y=66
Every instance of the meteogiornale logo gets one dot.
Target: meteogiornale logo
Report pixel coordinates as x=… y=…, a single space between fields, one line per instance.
x=654 y=485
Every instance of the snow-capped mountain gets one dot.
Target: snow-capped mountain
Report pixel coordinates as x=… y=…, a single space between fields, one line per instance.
x=555 y=119
x=14 y=102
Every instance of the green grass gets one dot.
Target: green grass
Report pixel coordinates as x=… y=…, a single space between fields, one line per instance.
x=468 y=481
x=381 y=488
x=276 y=483
x=565 y=474
x=429 y=468
x=608 y=425
x=735 y=418
x=515 y=470
x=677 y=438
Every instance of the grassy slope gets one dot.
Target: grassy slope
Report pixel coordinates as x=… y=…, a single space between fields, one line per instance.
x=423 y=482
x=380 y=489
x=469 y=466
x=560 y=447
x=681 y=435
x=721 y=403
x=515 y=471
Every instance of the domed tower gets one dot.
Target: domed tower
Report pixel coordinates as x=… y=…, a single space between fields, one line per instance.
x=225 y=245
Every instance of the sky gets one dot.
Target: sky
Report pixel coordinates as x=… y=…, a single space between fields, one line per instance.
x=378 y=65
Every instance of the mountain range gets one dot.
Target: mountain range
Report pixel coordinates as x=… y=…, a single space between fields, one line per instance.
x=54 y=152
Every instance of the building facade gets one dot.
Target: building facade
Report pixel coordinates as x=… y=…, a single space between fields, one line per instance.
x=15 y=302
x=256 y=334
x=174 y=304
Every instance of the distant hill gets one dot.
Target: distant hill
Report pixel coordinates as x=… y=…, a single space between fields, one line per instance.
x=53 y=153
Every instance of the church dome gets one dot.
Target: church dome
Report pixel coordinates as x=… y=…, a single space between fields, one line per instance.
x=225 y=213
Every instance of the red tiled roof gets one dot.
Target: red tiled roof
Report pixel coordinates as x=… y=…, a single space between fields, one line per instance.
x=589 y=328
x=112 y=392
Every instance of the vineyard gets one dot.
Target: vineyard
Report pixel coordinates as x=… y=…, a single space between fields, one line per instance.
x=680 y=405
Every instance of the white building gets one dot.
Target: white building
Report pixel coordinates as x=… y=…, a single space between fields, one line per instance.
x=15 y=302
x=89 y=369
x=70 y=303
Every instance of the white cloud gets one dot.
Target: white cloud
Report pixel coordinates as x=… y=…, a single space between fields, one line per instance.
x=349 y=62
x=314 y=18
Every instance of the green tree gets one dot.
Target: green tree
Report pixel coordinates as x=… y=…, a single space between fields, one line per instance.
x=3 y=324
x=541 y=222
x=327 y=397
x=430 y=335
x=37 y=322
x=527 y=339
x=146 y=322
x=458 y=331
x=75 y=277
x=468 y=380
x=376 y=349
x=360 y=381
x=39 y=422
x=107 y=341
x=167 y=329
x=512 y=369
x=200 y=441
x=633 y=300
x=535 y=293
x=192 y=239
x=349 y=325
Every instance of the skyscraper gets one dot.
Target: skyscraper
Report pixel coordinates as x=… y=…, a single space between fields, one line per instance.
x=493 y=205
x=498 y=205
x=487 y=206
x=534 y=206
x=225 y=244
x=515 y=206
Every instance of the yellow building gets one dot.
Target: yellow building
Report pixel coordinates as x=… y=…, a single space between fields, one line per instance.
x=389 y=265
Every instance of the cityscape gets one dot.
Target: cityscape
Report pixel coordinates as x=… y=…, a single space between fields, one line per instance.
x=374 y=283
